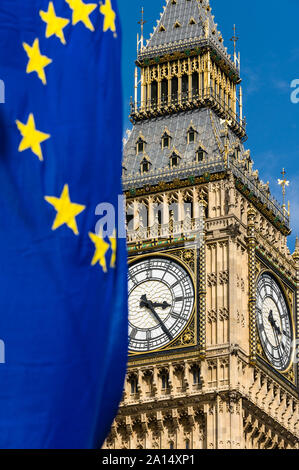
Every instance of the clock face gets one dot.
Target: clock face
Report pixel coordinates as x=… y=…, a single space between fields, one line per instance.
x=274 y=323
x=161 y=301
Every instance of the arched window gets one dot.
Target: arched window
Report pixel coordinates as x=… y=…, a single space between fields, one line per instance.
x=189 y=207
x=145 y=165
x=165 y=142
x=200 y=155
x=191 y=135
x=154 y=92
x=185 y=87
x=165 y=380
x=140 y=146
x=196 y=375
x=164 y=91
x=158 y=216
x=174 y=160
x=174 y=89
x=195 y=82
x=134 y=385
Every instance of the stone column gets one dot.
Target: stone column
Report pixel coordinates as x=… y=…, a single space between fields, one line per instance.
x=151 y=218
x=211 y=425
x=296 y=259
x=169 y=84
x=237 y=433
x=231 y=195
x=179 y=87
x=136 y=221
x=189 y=79
x=209 y=73
x=251 y=215
x=149 y=89
x=180 y=207
x=170 y=372
x=234 y=99
x=159 y=92
x=232 y=299
x=201 y=274
x=143 y=89
x=165 y=212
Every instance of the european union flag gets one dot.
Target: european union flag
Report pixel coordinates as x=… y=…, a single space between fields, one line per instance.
x=63 y=293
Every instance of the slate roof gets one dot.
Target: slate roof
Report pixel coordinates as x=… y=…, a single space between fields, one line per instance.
x=167 y=37
x=206 y=123
x=209 y=136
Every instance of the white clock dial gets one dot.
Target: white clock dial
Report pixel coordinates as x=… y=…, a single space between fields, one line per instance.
x=161 y=302
x=274 y=323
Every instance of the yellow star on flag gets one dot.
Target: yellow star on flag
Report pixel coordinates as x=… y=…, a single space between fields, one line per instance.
x=101 y=248
x=55 y=24
x=66 y=210
x=113 y=242
x=37 y=61
x=81 y=12
x=110 y=15
x=32 y=138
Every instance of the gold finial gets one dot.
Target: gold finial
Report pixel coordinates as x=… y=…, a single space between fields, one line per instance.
x=142 y=22
x=237 y=57
x=284 y=183
x=207 y=28
x=235 y=39
x=140 y=44
x=225 y=134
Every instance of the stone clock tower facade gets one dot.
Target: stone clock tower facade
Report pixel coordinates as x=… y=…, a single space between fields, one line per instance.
x=213 y=288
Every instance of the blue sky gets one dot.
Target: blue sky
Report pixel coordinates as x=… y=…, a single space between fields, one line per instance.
x=269 y=46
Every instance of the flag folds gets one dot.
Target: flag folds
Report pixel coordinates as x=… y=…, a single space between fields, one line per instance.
x=63 y=292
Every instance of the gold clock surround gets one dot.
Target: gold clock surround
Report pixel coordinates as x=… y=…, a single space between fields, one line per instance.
x=289 y=372
x=188 y=337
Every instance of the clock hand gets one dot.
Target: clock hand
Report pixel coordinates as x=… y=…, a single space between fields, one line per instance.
x=164 y=305
x=270 y=318
x=278 y=344
x=148 y=304
x=151 y=308
x=272 y=322
x=277 y=331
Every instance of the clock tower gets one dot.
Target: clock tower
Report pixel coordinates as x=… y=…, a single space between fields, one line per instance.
x=213 y=288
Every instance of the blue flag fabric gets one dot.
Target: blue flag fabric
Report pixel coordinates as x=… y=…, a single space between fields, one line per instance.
x=63 y=293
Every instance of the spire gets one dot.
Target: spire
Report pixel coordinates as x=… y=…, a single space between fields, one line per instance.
x=140 y=40
x=185 y=24
x=284 y=183
x=235 y=39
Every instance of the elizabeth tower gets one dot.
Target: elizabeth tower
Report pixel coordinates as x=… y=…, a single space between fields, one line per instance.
x=213 y=288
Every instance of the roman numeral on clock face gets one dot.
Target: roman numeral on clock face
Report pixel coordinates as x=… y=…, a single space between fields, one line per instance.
x=175 y=315
x=133 y=333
